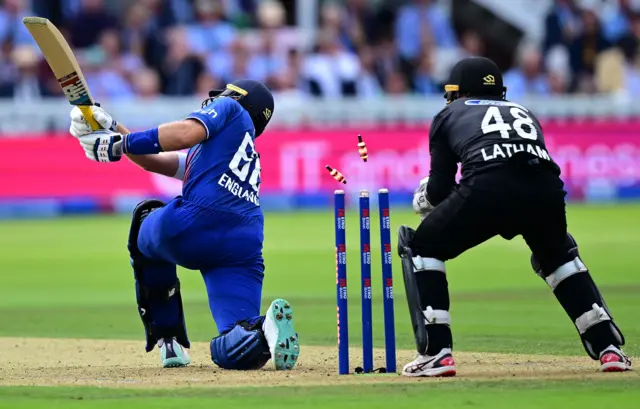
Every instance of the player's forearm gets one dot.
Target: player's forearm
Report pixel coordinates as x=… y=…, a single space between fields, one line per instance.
x=165 y=163
x=442 y=179
x=122 y=129
x=169 y=137
x=179 y=135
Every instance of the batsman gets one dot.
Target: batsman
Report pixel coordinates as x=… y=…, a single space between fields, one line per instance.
x=215 y=226
x=510 y=186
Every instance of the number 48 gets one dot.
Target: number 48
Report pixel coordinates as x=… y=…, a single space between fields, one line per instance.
x=493 y=122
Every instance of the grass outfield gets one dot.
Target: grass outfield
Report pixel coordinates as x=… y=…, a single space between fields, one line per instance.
x=490 y=395
x=70 y=278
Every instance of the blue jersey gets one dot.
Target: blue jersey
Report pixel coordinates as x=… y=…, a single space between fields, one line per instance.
x=223 y=172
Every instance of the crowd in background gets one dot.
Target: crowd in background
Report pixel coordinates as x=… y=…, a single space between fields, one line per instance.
x=148 y=48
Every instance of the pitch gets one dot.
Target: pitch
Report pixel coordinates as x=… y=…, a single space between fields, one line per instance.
x=68 y=318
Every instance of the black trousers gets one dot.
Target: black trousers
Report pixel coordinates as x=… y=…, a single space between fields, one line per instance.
x=514 y=199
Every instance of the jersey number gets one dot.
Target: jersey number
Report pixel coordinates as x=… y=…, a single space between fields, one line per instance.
x=522 y=123
x=241 y=162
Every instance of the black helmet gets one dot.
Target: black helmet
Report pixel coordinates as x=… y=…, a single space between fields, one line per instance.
x=475 y=77
x=254 y=96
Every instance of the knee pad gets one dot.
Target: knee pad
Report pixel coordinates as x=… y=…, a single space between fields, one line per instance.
x=427 y=297
x=141 y=211
x=243 y=348
x=561 y=267
x=578 y=294
x=157 y=288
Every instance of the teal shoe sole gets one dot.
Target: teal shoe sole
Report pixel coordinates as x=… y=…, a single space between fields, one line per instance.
x=287 y=346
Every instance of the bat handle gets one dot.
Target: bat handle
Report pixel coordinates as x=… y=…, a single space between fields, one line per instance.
x=87 y=112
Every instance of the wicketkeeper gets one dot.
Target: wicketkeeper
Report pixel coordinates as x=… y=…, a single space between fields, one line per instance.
x=510 y=186
x=216 y=226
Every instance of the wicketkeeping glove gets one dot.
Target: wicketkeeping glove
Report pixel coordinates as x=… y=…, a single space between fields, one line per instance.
x=421 y=204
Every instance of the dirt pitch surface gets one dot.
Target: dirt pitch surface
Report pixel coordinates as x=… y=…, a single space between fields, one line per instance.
x=51 y=362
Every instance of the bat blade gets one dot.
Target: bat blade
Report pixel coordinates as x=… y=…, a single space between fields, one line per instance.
x=64 y=65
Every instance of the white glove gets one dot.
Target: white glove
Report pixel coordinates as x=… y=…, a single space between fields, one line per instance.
x=80 y=127
x=102 y=145
x=420 y=203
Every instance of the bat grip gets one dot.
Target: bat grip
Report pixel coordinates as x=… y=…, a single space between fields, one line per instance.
x=87 y=112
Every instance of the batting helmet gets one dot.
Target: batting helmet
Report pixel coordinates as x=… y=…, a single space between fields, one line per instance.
x=254 y=96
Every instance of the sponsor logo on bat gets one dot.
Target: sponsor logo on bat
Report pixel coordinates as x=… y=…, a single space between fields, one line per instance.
x=74 y=89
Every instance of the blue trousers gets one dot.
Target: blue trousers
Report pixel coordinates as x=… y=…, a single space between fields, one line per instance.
x=225 y=247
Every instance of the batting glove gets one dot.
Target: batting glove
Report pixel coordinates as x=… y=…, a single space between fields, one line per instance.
x=79 y=126
x=102 y=146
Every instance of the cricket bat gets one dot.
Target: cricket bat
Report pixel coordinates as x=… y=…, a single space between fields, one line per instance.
x=64 y=65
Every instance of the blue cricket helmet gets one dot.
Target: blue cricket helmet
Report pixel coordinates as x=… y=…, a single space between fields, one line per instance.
x=254 y=96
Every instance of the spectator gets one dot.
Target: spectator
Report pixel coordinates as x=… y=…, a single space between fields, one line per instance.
x=422 y=19
x=138 y=25
x=240 y=12
x=527 y=77
x=396 y=84
x=11 y=27
x=286 y=86
x=361 y=22
x=362 y=48
x=209 y=33
x=331 y=71
x=367 y=84
x=105 y=80
x=387 y=59
x=124 y=64
x=583 y=51
x=630 y=46
x=207 y=82
x=7 y=68
x=291 y=78
x=472 y=44
x=146 y=83
x=267 y=61
x=424 y=82
x=25 y=86
x=616 y=20
x=87 y=26
x=174 y=12
x=331 y=20
x=562 y=24
x=271 y=22
x=142 y=33
x=240 y=67
x=558 y=70
x=181 y=67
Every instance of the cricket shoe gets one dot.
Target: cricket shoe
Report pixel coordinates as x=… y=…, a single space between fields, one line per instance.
x=441 y=364
x=172 y=354
x=280 y=335
x=612 y=359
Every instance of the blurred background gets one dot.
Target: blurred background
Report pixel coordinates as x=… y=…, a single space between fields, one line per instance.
x=337 y=68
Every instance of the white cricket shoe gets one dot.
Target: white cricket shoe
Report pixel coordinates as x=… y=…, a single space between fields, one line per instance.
x=281 y=335
x=172 y=354
x=441 y=364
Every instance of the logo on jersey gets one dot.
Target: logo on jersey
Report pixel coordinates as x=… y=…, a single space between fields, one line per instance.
x=267 y=114
x=490 y=102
